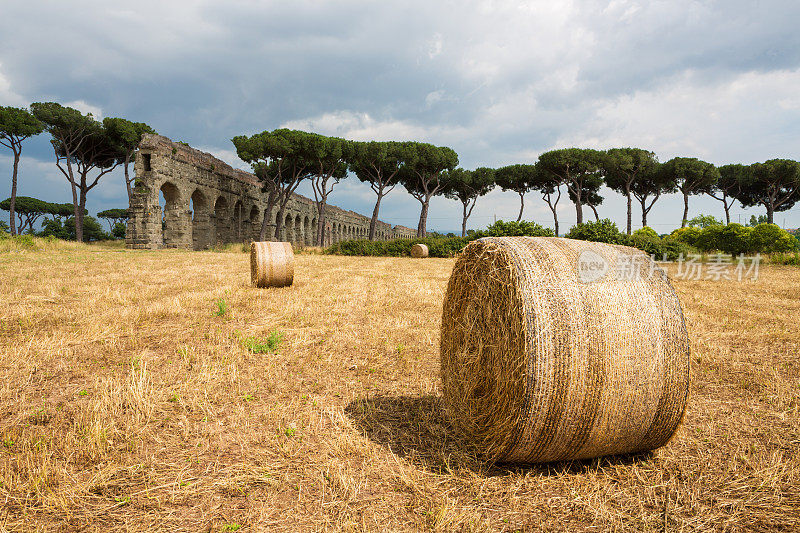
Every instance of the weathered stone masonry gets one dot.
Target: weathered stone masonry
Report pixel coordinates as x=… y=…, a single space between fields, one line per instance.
x=227 y=204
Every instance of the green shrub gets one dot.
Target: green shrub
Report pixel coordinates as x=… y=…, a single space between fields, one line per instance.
x=658 y=248
x=92 y=230
x=437 y=247
x=769 y=238
x=645 y=239
x=735 y=239
x=646 y=231
x=54 y=228
x=704 y=221
x=118 y=231
x=709 y=238
x=732 y=239
x=686 y=235
x=600 y=231
x=516 y=229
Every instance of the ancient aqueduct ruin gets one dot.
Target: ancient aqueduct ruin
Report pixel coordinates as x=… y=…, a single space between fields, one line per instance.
x=208 y=202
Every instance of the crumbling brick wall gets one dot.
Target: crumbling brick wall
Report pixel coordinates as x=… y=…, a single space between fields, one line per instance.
x=208 y=202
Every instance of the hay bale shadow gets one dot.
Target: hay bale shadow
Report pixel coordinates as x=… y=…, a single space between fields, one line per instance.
x=419 y=430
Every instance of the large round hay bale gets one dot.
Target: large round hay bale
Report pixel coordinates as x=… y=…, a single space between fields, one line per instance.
x=419 y=250
x=271 y=264
x=556 y=349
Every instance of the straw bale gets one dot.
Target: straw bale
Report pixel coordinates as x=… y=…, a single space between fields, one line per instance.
x=419 y=250
x=271 y=264
x=556 y=349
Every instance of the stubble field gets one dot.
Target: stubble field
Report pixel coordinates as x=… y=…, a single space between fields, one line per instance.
x=126 y=403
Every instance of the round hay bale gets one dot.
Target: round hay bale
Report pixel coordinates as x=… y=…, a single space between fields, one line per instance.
x=556 y=349
x=419 y=250
x=271 y=264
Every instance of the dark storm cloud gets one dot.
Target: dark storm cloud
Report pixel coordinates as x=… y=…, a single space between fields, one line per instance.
x=498 y=81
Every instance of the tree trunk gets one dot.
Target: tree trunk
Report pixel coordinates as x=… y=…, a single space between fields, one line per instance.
x=14 y=191
x=262 y=236
x=79 y=217
x=727 y=209
x=594 y=210
x=320 y=220
x=279 y=221
x=521 y=205
x=76 y=210
x=423 y=218
x=628 y=194
x=685 y=209
x=555 y=218
x=770 y=213
x=578 y=205
x=127 y=179
x=374 y=221
x=464 y=221
x=644 y=212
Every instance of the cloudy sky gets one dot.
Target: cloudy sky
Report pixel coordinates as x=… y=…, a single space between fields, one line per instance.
x=498 y=81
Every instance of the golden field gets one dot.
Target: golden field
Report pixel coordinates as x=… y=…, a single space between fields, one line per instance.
x=127 y=403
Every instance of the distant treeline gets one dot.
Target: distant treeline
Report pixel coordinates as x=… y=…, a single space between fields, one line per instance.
x=87 y=149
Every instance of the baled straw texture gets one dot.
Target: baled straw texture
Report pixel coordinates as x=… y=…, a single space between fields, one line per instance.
x=271 y=264
x=419 y=250
x=542 y=362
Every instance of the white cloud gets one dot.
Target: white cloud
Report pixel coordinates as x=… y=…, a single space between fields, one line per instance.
x=433 y=97
x=499 y=81
x=85 y=108
x=746 y=119
x=226 y=155
x=435 y=46
x=7 y=96
x=363 y=127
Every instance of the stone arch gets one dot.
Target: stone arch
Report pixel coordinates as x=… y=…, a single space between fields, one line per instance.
x=221 y=225
x=309 y=234
x=254 y=222
x=315 y=228
x=237 y=221
x=172 y=217
x=201 y=221
x=288 y=230
x=299 y=229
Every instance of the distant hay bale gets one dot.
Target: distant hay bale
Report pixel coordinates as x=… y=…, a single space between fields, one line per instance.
x=271 y=264
x=419 y=250
x=556 y=349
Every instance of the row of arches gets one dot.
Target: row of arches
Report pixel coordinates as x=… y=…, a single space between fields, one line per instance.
x=200 y=224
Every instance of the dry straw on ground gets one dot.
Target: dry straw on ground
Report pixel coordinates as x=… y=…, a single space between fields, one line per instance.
x=543 y=361
x=419 y=250
x=128 y=404
x=271 y=264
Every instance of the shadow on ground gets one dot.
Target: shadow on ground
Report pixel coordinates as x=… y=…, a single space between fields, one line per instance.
x=418 y=429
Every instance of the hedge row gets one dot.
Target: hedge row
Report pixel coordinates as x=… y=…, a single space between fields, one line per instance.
x=645 y=239
x=737 y=239
x=439 y=246
x=733 y=239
